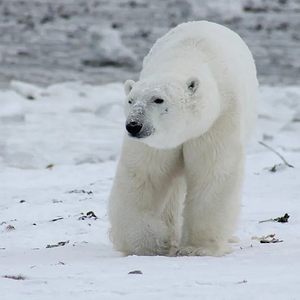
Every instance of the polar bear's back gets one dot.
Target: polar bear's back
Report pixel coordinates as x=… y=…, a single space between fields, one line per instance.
x=211 y=40
x=186 y=47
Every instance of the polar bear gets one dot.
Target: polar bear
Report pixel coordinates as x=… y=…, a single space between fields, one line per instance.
x=177 y=188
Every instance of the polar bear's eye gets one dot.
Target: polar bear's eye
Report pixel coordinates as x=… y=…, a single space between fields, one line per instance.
x=158 y=101
x=129 y=101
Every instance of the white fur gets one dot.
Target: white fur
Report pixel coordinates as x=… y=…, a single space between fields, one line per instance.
x=178 y=185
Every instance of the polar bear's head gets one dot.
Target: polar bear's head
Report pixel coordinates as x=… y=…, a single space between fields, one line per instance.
x=167 y=113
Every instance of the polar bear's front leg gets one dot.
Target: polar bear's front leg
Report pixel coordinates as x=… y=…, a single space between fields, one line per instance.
x=136 y=228
x=172 y=212
x=214 y=175
x=138 y=196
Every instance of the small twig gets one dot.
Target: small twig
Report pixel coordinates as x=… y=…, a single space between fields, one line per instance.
x=283 y=219
x=19 y=277
x=139 y=272
x=59 y=244
x=56 y=219
x=282 y=158
x=268 y=220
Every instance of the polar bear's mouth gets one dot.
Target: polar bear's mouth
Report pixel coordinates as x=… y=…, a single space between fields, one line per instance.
x=141 y=135
x=137 y=136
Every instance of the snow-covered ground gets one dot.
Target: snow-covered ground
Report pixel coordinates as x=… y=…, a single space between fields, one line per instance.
x=58 y=152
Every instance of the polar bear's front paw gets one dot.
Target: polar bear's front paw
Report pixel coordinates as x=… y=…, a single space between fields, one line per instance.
x=149 y=240
x=194 y=251
x=234 y=240
x=156 y=245
x=201 y=251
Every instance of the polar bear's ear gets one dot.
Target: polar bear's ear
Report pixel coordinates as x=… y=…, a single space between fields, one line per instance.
x=192 y=85
x=128 y=85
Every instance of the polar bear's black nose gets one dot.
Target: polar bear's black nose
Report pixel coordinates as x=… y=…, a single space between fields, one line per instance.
x=134 y=128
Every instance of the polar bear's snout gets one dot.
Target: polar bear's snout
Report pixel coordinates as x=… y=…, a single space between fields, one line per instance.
x=138 y=124
x=138 y=129
x=134 y=128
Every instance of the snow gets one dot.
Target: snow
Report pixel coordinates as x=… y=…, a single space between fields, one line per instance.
x=106 y=48
x=78 y=129
x=65 y=123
